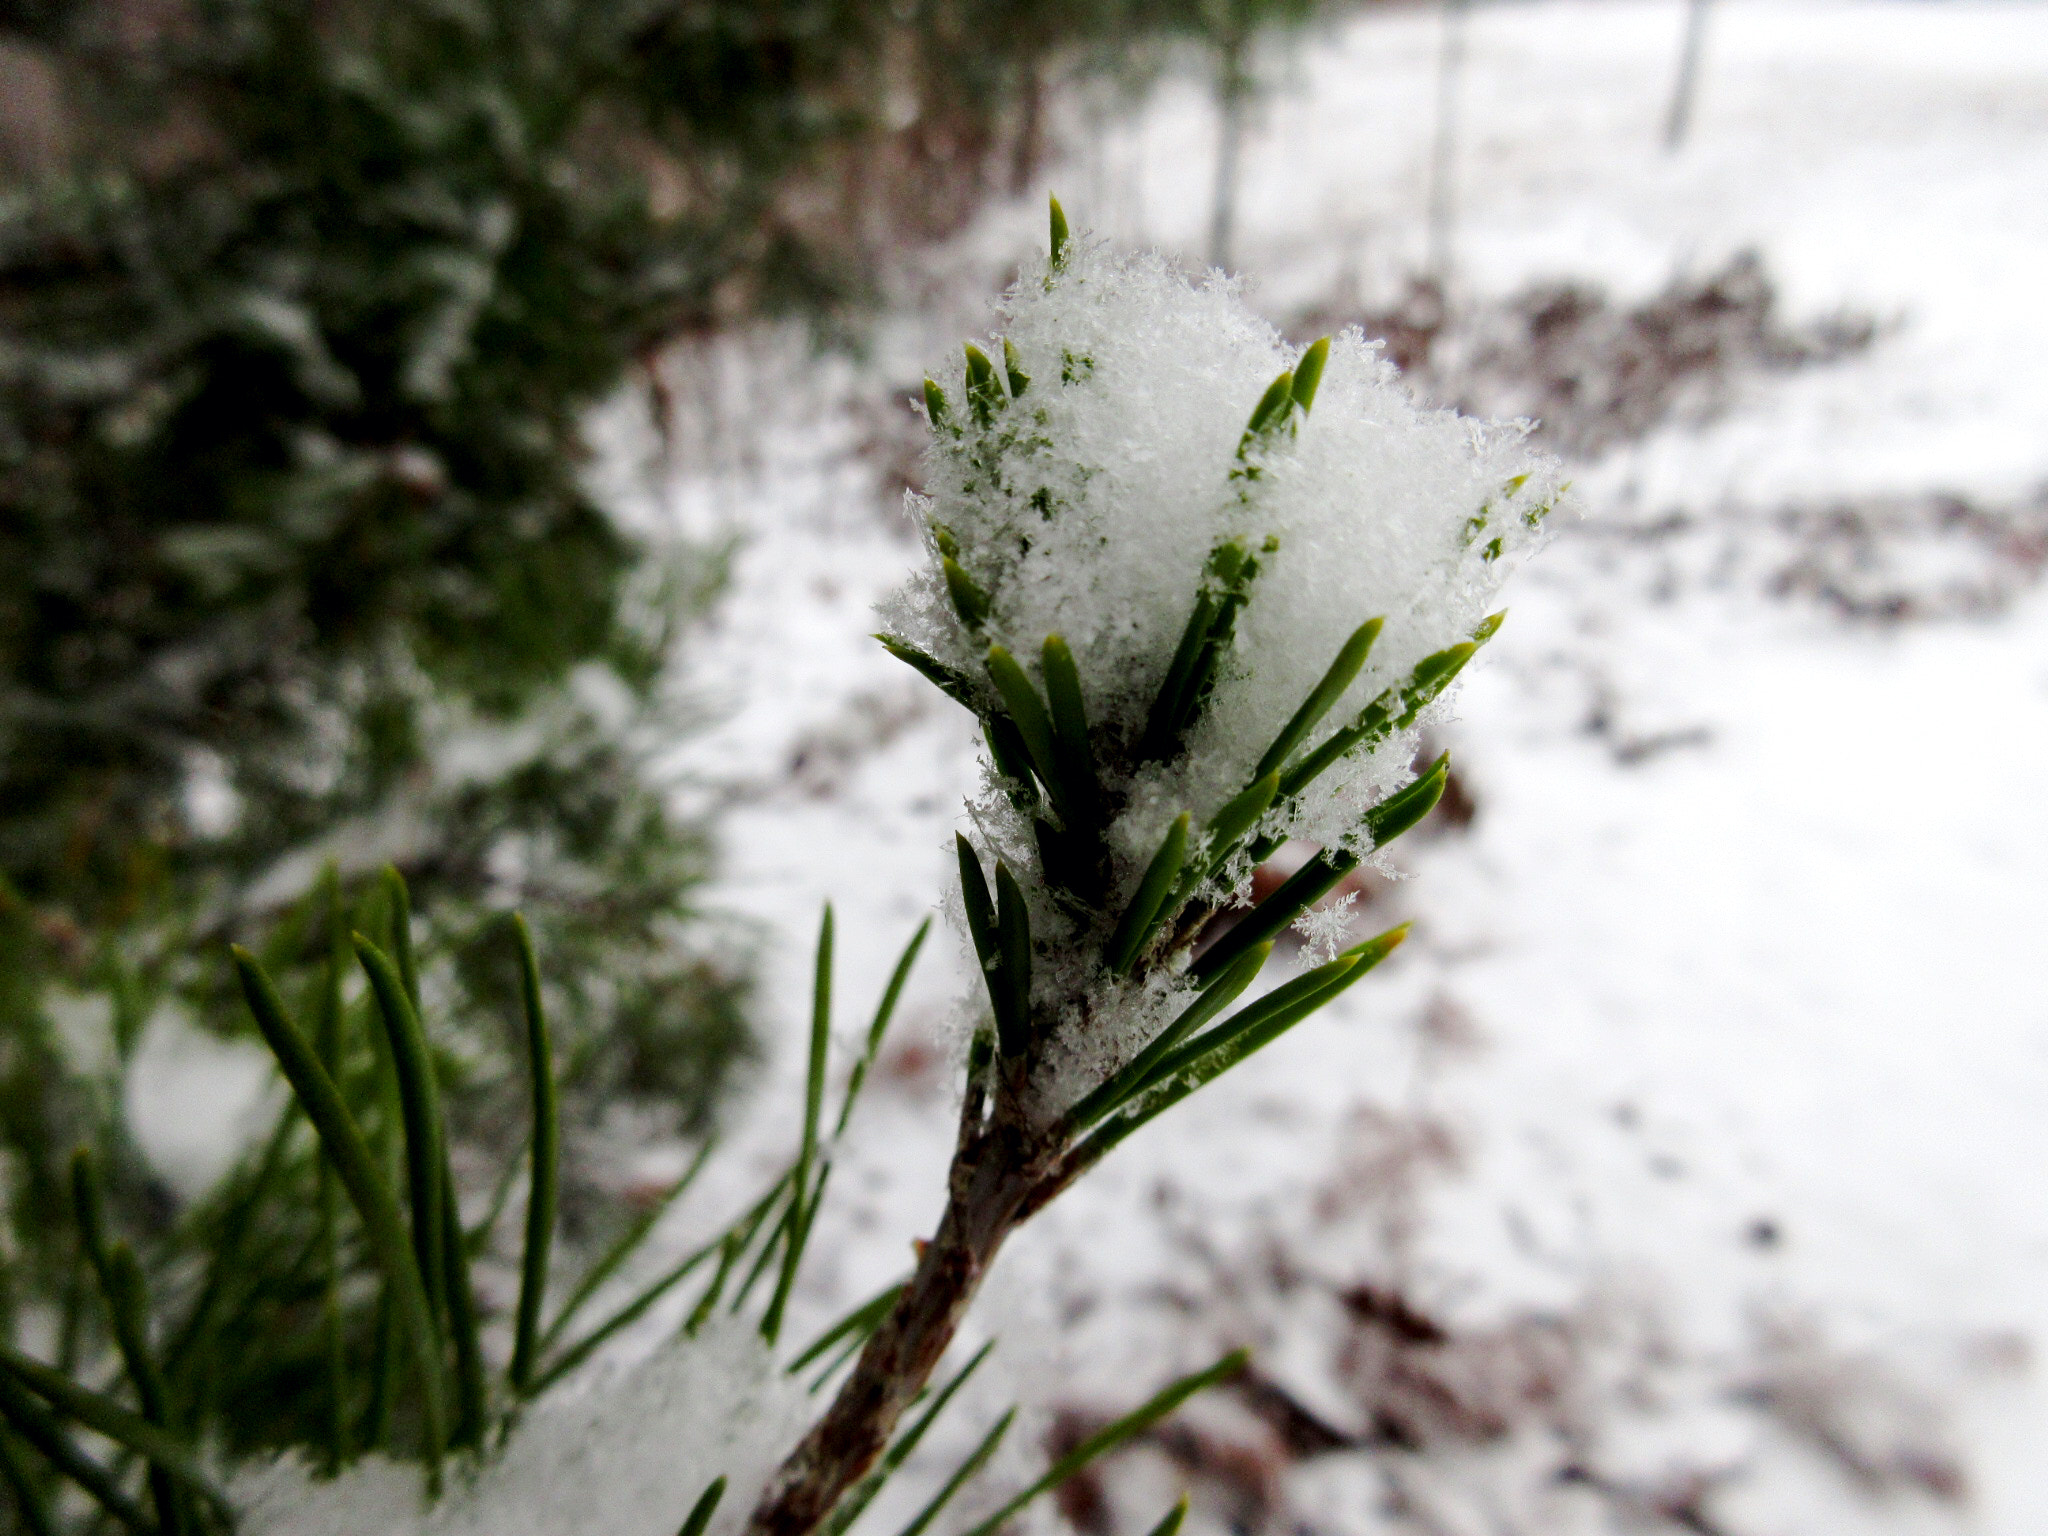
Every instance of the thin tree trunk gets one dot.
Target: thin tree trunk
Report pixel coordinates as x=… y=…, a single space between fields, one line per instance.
x=1685 y=91
x=1233 y=95
x=1444 y=151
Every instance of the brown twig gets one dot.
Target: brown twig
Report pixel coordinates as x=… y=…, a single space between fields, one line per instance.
x=1003 y=1172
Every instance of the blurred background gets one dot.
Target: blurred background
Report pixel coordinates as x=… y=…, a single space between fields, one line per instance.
x=472 y=435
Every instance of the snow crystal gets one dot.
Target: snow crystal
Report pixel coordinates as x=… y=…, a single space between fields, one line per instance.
x=628 y=1456
x=1324 y=929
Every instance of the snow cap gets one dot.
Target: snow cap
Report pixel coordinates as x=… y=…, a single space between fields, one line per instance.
x=1136 y=441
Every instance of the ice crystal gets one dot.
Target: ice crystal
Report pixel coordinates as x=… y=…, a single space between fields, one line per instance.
x=1323 y=930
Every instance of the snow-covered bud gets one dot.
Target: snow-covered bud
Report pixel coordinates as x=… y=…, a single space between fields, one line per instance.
x=1234 y=557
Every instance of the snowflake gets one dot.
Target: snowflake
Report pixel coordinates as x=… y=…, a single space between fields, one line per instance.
x=1324 y=929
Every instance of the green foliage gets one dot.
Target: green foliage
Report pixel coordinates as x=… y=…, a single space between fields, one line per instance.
x=298 y=327
x=297 y=548
x=266 y=1322
x=705 y=1507
x=1108 y=1438
x=249 y=1339
x=299 y=343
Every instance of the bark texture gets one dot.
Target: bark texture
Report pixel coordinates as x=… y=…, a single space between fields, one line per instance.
x=1001 y=1174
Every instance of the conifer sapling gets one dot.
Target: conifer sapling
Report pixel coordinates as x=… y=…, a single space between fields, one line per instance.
x=1200 y=588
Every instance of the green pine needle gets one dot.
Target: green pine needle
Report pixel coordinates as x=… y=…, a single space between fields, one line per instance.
x=985 y=395
x=237 y=1224
x=472 y=1395
x=701 y=1512
x=1395 y=709
x=1140 y=917
x=1271 y=410
x=1280 y=1001
x=1073 y=755
x=1265 y=922
x=540 y=1198
x=863 y=1493
x=857 y=1324
x=884 y=1012
x=1323 y=697
x=631 y=1312
x=954 y=684
x=623 y=1247
x=398 y=910
x=737 y=1239
x=1308 y=373
x=1226 y=588
x=790 y=1207
x=974 y=896
x=970 y=600
x=420 y=1103
x=103 y=1416
x=1170 y=1523
x=29 y=1502
x=1012 y=758
x=329 y=1044
x=375 y=1204
x=1202 y=1060
x=821 y=1041
x=127 y=1305
x=1139 y=1072
x=804 y=1206
x=387 y=1351
x=1162 y=727
x=975 y=1460
x=1013 y=370
x=795 y=1243
x=1108 y=1439
x=1229 y=826
x=35 y=1424
x=1401 y=811
x=1224 y=835
x=1012 y=977
x=1028 y=712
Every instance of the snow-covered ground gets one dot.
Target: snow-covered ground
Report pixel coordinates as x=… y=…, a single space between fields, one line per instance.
x=1706 y=1113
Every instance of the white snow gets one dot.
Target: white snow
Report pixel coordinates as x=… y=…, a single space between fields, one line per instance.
x=1090 y=506
x=195 y=1102
x=1084 y=490
x=627 y=1453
